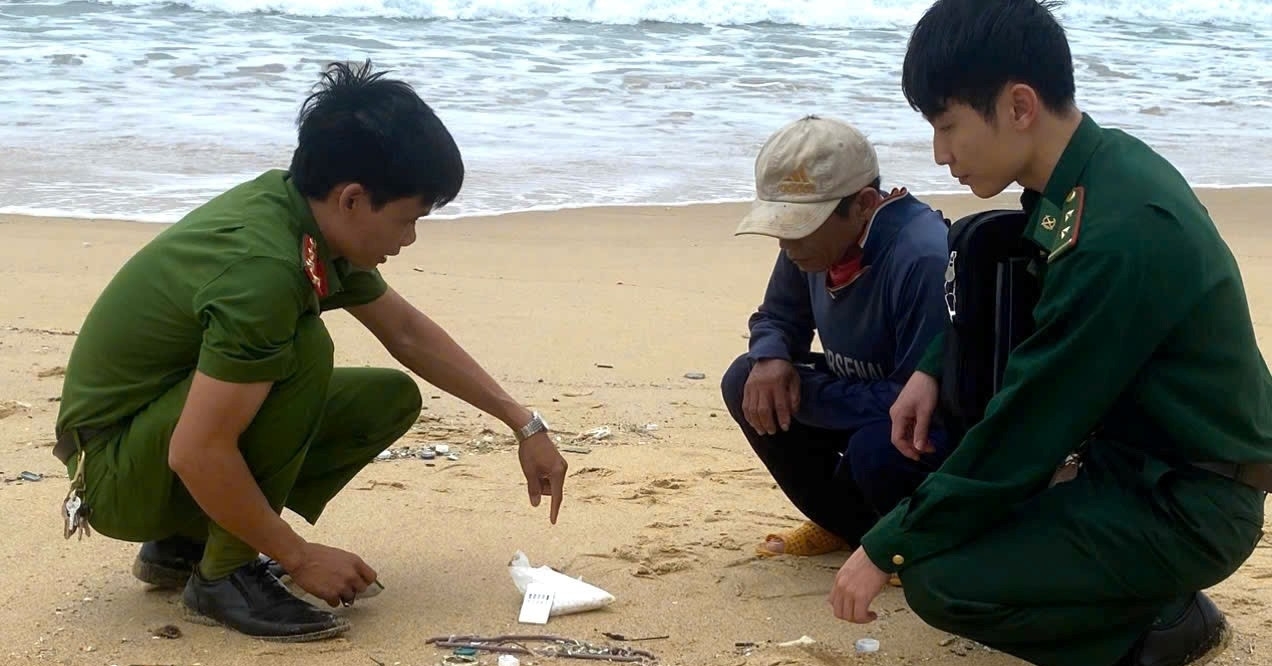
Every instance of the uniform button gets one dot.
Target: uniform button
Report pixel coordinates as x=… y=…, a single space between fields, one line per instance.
x=898 y=560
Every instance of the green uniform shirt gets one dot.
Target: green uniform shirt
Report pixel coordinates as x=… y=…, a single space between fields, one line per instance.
x=220 y=291
x=1142 y=329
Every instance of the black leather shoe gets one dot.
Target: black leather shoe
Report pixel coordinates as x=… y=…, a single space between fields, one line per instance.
x=168 y=562
x=252 y=601
x=1198 y=635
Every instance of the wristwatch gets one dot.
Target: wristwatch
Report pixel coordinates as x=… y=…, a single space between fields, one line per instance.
x=534 y=427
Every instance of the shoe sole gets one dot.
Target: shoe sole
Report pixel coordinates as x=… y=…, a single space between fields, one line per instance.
x=159 y=575
x=342 y=626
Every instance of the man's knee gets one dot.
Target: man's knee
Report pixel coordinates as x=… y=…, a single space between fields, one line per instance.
x=403 y=397
x=932 y=593
x=883 y=475
x=733 y=384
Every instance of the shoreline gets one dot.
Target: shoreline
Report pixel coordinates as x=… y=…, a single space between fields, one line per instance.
x=935 y=198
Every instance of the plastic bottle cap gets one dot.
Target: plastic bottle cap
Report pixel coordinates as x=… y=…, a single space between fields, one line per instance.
x=867 y=645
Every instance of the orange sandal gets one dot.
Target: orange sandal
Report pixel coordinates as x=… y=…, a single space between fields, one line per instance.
x=807 y=539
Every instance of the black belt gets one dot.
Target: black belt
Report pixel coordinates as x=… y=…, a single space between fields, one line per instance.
x=66 y=446
x=1255 y=475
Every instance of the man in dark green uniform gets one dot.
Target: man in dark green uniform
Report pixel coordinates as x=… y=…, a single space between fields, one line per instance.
x=1143 y=358
x=200 y=398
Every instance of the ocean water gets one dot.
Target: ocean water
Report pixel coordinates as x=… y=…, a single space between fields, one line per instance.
x=142 y=109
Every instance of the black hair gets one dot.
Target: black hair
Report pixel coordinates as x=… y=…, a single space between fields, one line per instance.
x=966 y=51
x=845 y=204
x=360 y=127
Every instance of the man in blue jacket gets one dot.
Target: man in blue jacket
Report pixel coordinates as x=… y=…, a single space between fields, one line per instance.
x=865 y=271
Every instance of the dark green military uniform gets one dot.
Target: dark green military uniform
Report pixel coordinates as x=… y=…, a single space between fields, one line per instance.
x=234 y=290
x=1144 y=350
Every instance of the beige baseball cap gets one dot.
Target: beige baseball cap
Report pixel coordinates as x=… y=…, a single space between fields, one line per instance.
x=802 y=172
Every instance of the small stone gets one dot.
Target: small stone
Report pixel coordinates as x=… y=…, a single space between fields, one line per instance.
x=695 y=375
x=384 y=455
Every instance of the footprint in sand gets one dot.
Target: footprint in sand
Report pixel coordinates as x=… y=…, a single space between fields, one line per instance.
x=653 y=559
x=592 y=473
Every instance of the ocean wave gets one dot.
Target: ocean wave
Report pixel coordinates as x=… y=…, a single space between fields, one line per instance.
x=813 y=13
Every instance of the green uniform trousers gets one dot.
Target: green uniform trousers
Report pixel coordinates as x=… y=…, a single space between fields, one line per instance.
x=1080 y=571
x=314 y=432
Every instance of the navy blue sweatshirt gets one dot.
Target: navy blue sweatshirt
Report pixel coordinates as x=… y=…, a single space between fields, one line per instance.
x=873 y=331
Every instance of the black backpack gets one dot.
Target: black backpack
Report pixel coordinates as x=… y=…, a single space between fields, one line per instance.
x=990 y=292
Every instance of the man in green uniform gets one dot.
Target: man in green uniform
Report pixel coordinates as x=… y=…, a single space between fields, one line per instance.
x=1143 y=358
x=200 y=398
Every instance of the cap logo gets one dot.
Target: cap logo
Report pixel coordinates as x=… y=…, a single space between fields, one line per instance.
x=797 y=182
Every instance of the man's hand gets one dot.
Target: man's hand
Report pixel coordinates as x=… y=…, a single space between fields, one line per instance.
x=858 y=582
x=331 y=574
x=912 y=415
x=544 y=469
x=771 y=396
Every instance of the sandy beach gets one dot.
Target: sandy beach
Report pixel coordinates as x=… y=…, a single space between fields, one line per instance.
x=592 y=316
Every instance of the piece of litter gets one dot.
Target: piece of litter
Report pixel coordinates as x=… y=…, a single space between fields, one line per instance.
x=428 y=454
x=30 y=476
x=575 y=449
x=604 y=365
x=649 y=427
x=465 y=651
x=576 y=394
x=508 y=660
x=695 y=375
x=802 y=640
x=384 y=455
x=536 y=605
x=867 y=645
x=168 y=631
x=453 y=457
x=620 y=637
x=570 y=595
x=442 y=449
x=597 y=433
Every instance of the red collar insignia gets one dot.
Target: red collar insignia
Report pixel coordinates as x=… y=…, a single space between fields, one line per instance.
x=314 y=269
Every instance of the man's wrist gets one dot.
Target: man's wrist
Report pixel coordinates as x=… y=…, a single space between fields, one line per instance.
x=536 y=425
x=291 y=553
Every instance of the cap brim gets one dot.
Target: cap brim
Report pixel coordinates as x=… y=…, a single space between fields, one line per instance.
x=788 y=221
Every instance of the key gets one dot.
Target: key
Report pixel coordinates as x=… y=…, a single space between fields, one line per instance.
x=81 y=521
x=71 y=509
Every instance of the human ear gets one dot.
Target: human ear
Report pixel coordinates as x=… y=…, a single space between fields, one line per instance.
x=1023 y=105
x=350 y=196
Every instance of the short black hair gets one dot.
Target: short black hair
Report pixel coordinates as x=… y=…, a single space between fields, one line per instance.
x=966 y=51
x=364 y=128
x=845 y=204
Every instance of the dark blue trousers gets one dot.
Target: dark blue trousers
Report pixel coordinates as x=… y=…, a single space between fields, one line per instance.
x=843 y=481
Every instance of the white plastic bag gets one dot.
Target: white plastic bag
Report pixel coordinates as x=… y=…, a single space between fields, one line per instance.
x=571 y=595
